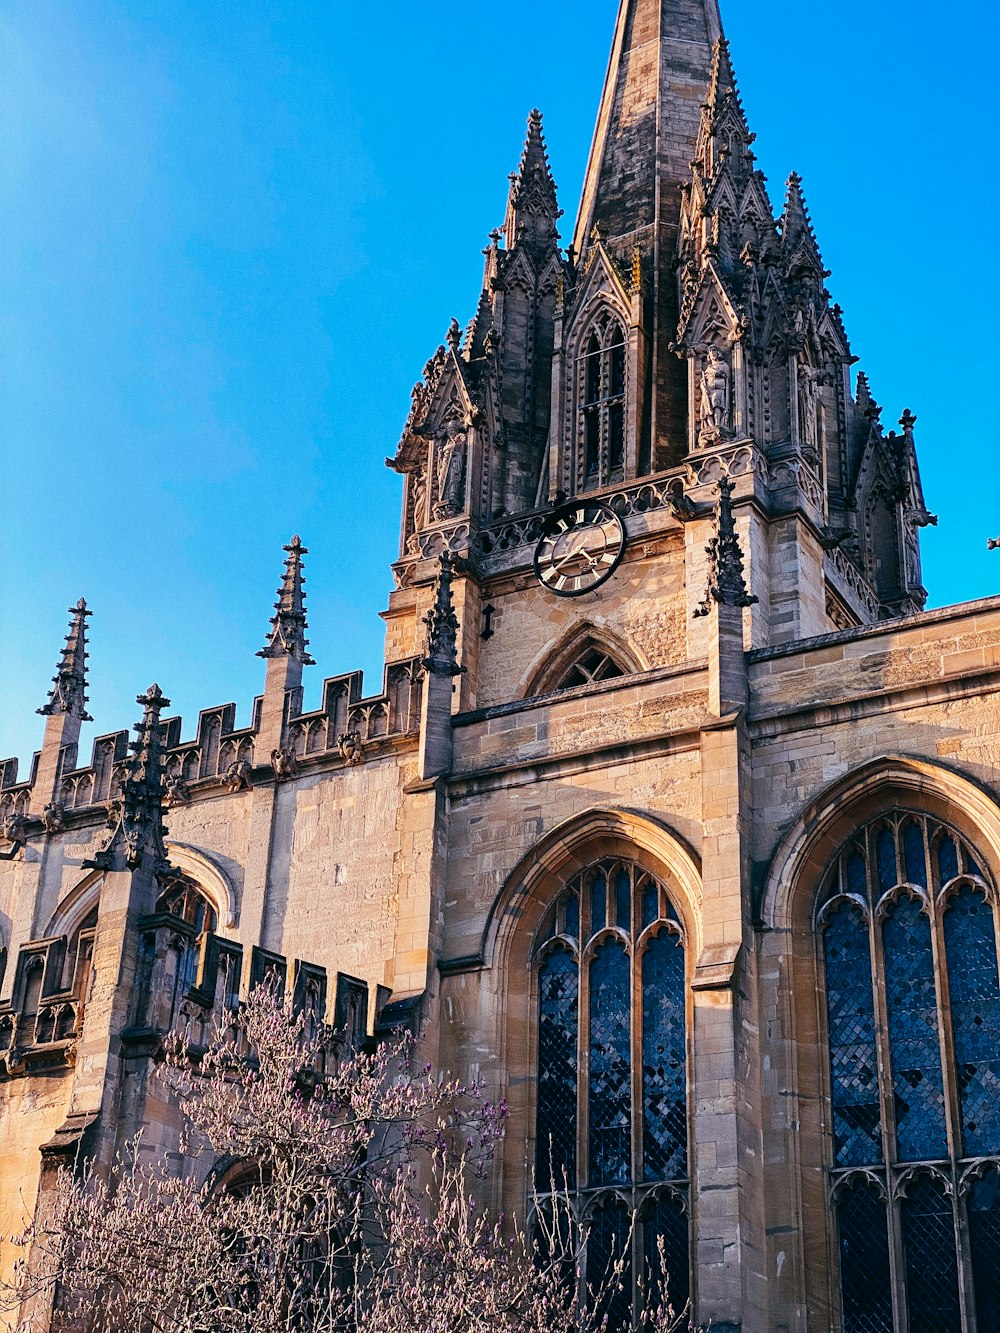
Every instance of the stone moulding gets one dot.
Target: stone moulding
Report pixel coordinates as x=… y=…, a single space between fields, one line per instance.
x=495 y=548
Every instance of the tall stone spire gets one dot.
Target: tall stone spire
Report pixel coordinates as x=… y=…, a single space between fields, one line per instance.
x=288 y=624
x=640 y=160
x=69 y=684
x=647 y=126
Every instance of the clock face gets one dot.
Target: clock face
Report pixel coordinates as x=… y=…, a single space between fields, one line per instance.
x=580 y=548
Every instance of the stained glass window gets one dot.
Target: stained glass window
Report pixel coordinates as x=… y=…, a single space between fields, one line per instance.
x=913 y=976
x=914 y=1042
x=974 y=983
x=864 y=1259
x=613 y=1003
x=610 y=1043
x=664 y=1072
x=984 y=1235
x=665 y=1247
x=931 y=1263
x=558 y=987
x=857 y=1115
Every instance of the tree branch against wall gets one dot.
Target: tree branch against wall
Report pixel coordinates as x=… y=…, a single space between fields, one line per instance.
x=317 y=1197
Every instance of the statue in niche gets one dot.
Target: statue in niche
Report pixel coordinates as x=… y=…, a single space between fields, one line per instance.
x=809 y=381
x=716 y=396
x=418 y=484
x=451 y=471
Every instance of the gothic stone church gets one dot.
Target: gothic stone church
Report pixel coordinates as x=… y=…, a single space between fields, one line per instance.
x=676 y=817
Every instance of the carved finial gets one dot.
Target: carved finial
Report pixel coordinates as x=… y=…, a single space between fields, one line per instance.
x=454 y=335
x=797 y=234
x=288 y=624
x=907 y=421
x=726 y=579
x=532 y=185
x=143 y=790
x=69 y=684
x=442 y=624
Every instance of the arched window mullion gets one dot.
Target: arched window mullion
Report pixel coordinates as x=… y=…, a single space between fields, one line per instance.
x=946 y=1036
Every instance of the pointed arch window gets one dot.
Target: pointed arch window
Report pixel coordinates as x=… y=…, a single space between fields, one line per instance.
x=183 y=899
x=611 y=1119
x=908 y=933
x=602 y=380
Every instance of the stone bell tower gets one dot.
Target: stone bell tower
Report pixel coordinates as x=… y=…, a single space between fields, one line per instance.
x=685 y=337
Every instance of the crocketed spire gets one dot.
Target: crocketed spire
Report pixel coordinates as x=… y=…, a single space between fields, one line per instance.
x=288 y=624
x=142 y=790
x=726 y=580
x=442 y=624
x=69 y=684
x=533 y=208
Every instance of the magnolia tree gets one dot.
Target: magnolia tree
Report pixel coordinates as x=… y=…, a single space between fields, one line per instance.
x=346 y=1205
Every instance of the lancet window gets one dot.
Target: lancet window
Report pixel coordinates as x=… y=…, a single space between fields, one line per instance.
x=601 y=377
x=611 y=1122
x=908 y=932
x=184 y=900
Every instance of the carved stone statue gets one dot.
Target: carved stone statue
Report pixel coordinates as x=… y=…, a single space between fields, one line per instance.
x=285 y=764
x=176 y=790
x=451 y=471
x=54 y=818
x=809 y=408
x=351 y=749
x=716 y=396
x=238 y=776
x=15 y=828
x=418 y=485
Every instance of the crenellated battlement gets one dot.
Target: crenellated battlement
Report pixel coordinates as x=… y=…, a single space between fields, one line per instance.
x=347 y=729
x=280 y=742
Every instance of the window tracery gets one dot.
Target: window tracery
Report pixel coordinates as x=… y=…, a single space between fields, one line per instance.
x=908 y=931
x=602 y=380
x=611 y=1122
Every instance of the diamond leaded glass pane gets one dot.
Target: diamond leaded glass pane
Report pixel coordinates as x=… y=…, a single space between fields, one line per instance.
x=650 y=903
x=664 y=1072
x=666 y=1256
x=974 y=981
x=947 y=860
x=555 y=1143
x=598 y=902
x=931 y=1263
x=856 y=874
x=913 y=1034
x=857 y=1117
x=608 y=1244
x=885 y=856
x=623 y=900
x=984 y=1236
x=866 y=1292
x=913 y=854
x=609 y=1127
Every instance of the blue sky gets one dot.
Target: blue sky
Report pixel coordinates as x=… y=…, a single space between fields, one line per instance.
x=234 y=230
